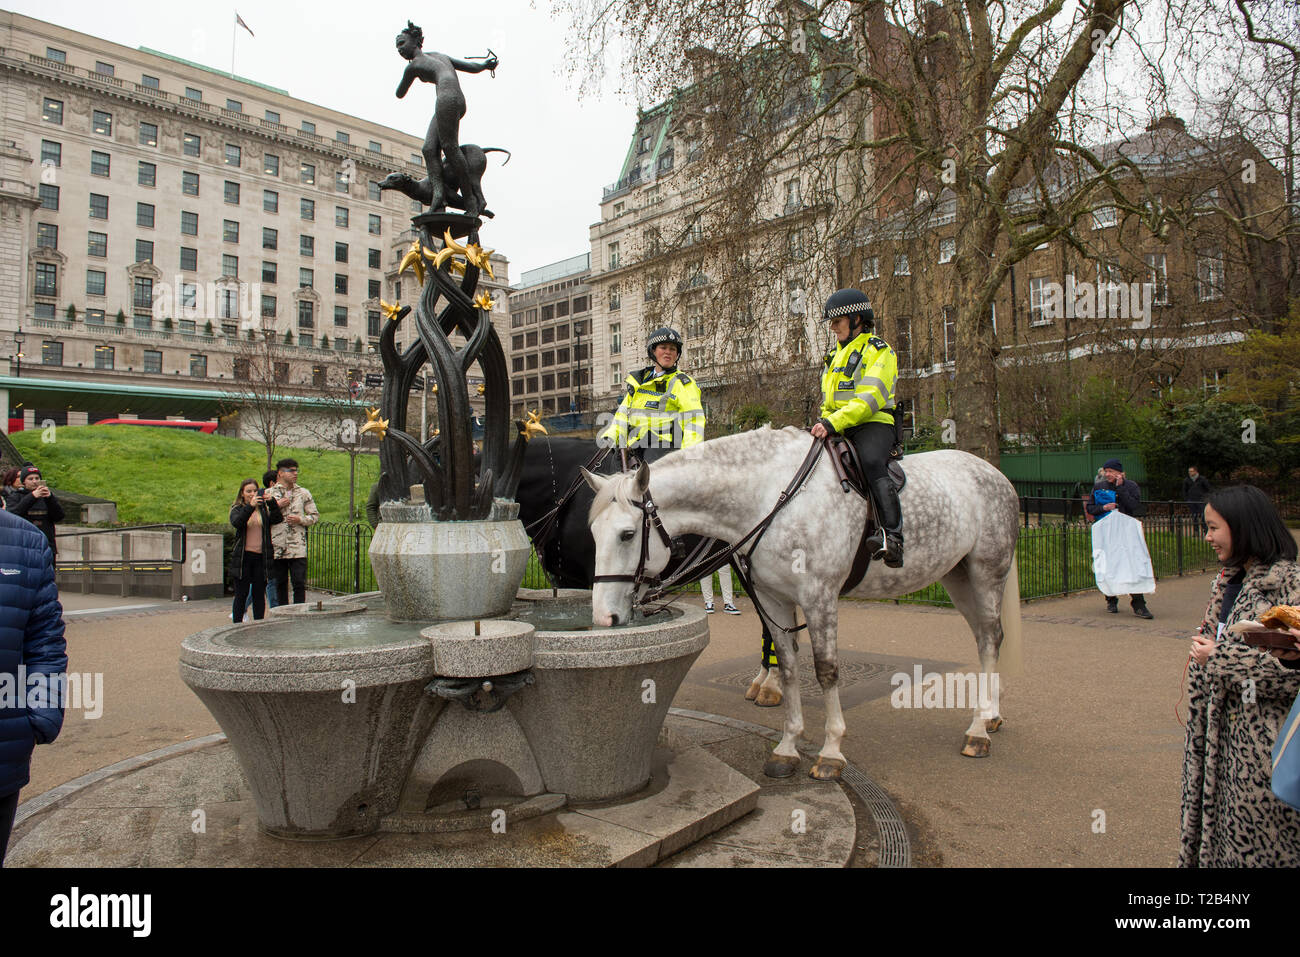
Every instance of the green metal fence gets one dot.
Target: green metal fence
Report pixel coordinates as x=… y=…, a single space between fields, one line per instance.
x=1054 y=559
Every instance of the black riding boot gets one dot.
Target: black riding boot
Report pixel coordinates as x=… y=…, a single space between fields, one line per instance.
x=887 y=540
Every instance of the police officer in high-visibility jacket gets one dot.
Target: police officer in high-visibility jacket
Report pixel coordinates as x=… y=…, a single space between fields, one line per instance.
x=661 y=408
x=858 y=379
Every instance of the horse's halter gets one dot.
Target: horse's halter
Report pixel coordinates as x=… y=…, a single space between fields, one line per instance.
x=649 y=519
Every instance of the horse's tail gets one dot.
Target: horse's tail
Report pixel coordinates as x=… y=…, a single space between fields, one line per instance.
x=497 y=149
x=1009 y=656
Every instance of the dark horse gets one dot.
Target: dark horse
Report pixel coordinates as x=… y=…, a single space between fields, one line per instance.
x=566 y=550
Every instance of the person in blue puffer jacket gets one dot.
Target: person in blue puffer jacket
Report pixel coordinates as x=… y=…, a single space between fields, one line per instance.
x=31 y=637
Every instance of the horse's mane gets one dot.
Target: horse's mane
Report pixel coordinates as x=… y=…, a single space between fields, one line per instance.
x=729 y=451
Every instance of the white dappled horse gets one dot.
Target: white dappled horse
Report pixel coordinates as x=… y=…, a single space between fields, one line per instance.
x=961 y=519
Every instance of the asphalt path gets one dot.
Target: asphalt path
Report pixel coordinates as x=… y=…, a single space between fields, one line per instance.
x=1085 y=772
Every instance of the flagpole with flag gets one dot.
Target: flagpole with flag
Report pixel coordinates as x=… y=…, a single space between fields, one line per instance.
x=234 y=33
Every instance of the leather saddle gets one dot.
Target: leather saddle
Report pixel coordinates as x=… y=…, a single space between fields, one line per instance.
x=848 y=468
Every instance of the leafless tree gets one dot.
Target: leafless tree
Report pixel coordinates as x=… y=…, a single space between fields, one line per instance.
x=260 y=393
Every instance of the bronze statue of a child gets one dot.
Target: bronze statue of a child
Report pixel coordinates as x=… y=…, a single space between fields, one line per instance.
x=443 y=138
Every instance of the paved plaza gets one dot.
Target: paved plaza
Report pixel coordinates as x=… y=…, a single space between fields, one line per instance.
x=1090 y=724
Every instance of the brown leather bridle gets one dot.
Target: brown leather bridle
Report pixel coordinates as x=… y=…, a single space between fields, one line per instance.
x=649 y=519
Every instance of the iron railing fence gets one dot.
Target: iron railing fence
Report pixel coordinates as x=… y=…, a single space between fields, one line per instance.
x=1054 y=557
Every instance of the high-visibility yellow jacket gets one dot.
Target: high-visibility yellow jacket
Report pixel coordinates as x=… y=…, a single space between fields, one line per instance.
x=858 y=380
x=659 y=409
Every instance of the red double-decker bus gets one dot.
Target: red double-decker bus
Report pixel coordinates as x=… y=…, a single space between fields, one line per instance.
x=205 y=427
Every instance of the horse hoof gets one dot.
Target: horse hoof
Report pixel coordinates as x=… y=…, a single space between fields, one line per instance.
x=753 y=691
x=976 y=747
x=780 y=766
x=827 y=769
x=992 y=724
x=767 y=698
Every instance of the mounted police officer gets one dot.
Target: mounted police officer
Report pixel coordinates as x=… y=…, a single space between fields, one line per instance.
x=858 y=379
x=661 y=408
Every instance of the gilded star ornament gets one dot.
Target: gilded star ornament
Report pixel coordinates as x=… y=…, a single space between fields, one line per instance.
x=390 y=309
x=533 y=426
x=375 y=424
x=412 y=260
x=484 y=302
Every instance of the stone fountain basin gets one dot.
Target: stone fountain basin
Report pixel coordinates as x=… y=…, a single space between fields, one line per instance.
x=328 y=713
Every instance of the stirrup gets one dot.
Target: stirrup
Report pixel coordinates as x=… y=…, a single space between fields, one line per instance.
x=893 y=558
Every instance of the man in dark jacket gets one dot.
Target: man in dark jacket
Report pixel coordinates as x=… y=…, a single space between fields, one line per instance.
x=36 y=503
x=31 y=644
x=1128 y=500
x=1196 y=489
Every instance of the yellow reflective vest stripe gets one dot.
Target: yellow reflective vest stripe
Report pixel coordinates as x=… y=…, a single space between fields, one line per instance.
x=666 y=406
x=855 y=392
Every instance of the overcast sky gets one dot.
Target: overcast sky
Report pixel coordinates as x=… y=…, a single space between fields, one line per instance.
x=564 y=150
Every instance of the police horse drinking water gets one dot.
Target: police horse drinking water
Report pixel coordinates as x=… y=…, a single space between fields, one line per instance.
x=962 y=524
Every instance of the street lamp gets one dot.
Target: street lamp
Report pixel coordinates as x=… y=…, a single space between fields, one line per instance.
x=18 y=353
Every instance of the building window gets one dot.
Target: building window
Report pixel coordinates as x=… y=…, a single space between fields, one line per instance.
x=94 y=317
x=199 y=366
x=143 y=251
x=548 y=335
x=49 y=196
x=229 y=231
x=103 y=357
x=189 y=183
x=270 y=164
x=194 y=94
x=102 y=123
x=150 y=82
x=189 y=259
x=562 y=356
x=949 y=334
x=187 y=327
x=232 y=193
x=58 y=56
x=307 y=174
x=341 y=316
x=268 y=306
x=281 y=371
x=793 y=195
x=190 y=143
x=615 y=301
x=234 y=106
x=372 y=324
x=561 y=309
x=142 y=293
x=51 y=353
x=342 y=180
x=374 y=225
x=373 y=259
x=695 y=319
x=97 y=245
x=947 y=250
x=903 y=342
x=1158 y=277
x=652 y=290
x=870 y=267
x=901 y=266
x=147 y=174
x=340 y=252
x=342 y=137
x=143 y=215
x=98 y=206
x=229 y=265
x=1209 y=274
x=47 y=236
x=372 y=291
x=51 y=153
x=1104 y=217
x=96 y=282
x=152 y=361
x=306 y=314
x=531 y=339
x=99 y=163
x=615 y=338
x=548 y=312
x=189 y=224
x=269 y=272
x=104 y=69
x=530 y=362
x=142 y=320
x=516 y=342
x=340 y=284
x=548 y=358
x=306 y=246
x=234 y=155
x=612 y=255
x=306 y=279
x=306 y=209
x=1038 y=302
x=53 y=112
x=270 y=238
x=373 y=193
x=273 y=117
x=341 y=217
x=189 y=298
x=148 y=134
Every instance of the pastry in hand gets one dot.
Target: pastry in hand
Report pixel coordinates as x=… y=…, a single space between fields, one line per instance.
x=1281 y=616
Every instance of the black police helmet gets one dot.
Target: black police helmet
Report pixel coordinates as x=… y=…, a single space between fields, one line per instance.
x=659 y=337
x=849 y=302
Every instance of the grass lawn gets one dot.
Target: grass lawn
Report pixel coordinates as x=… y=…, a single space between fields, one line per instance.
x=170 y=475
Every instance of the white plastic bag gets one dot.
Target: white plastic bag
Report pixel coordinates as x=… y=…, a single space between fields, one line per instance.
x=1120 y=561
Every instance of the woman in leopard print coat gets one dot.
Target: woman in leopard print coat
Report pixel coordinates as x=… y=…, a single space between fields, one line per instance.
x=1240 y=696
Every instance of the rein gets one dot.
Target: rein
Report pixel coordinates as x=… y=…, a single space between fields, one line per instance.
x=694 y=567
